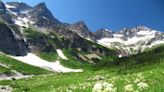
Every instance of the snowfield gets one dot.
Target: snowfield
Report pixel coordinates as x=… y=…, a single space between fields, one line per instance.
x=34 y=60
x=142 y=39
x=9 y=6
x=23 y=21
x=61 y=55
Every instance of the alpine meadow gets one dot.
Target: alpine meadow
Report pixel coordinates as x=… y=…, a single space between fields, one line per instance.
x=39 y=53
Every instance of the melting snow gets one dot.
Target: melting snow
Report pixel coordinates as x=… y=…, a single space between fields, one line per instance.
x=107 y=41
x=23 y=21
x=130 y=41
x=9 y=6
x=138 y=42
x=34 y=60
x=45 y=17
x=14 y=13
x=144 y=32
x=156 y=43
x=61 y=55
x=117 y=35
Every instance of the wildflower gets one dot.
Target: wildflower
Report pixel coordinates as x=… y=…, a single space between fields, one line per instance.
x=142 y=85
x=137 y=80
x=97 y=87
x=140 y=76
x=104 y=87
x=106 y=84
x=98 y=77
x=110 y=89
x=128 y=88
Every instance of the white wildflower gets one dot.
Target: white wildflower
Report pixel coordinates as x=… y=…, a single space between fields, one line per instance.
x=142 y=85
x=106 y=84
x=128 y=88
x=68 y=90
x=104 y=87
x=137 y=80
x=110 y=89
x=140 y=76
x=97 y=87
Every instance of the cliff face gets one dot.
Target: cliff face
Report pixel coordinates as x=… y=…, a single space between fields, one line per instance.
x=10 y=43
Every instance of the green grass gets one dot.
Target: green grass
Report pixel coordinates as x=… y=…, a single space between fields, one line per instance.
x=147 y=67
x=49 y=56
x=4 y=70
x=84 y=82
x=21 y=67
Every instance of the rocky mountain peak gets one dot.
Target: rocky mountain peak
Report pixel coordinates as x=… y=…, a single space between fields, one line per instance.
x=103 y=33
x=41 y=6
x=18 y=6
x=42 y=16
x=3 y=13
x=81 y=26
x=81 y=29
x=2 y=7
x=143 y=28
x=127 y=33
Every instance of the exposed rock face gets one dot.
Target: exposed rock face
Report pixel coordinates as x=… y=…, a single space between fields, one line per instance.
x=103 y=33
x=82 y=30
x=3 y=14
x=133 y=41
x=2 y=7
x=42 y=17
x=74 y=41
x=18 y=7
x=74 y=36
x=10 y=43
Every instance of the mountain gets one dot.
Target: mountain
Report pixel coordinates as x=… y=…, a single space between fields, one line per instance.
x=38 y=52
x=35 y=30
x=133 y=41
x=25 y=15
x=17 y=7
x=3 y=13
x=11 y=42
x=42 y=17
x=103 y=33
x=40 y=32
x=82 y=30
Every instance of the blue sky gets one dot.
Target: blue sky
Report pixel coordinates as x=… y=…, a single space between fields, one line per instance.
x=111 y=14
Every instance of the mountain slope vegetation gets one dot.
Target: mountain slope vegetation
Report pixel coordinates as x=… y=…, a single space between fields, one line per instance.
x=130 y=60
x=120 y=75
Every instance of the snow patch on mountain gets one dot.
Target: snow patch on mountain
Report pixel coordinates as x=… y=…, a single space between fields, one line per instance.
x=34 y=60
x=133 y=41
x=61 y=55
x=156 y=43
x=146 y=32
x=9 y=6
x=45 y=18
x=23 y=21
x=11 y=12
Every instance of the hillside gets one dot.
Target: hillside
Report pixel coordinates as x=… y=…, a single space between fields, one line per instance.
x=39 y=53
x=131 y=75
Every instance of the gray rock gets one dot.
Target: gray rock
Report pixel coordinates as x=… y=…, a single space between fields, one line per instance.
x=42 y=17
x=10 y=43
x=3 y=13
x=82 y=30
x=103 y=33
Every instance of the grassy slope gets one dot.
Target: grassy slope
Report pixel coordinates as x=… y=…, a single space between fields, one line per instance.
x=46 y=43
x=148 y=67
x=49 y=56
x=4 y=70
x=20 y=67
